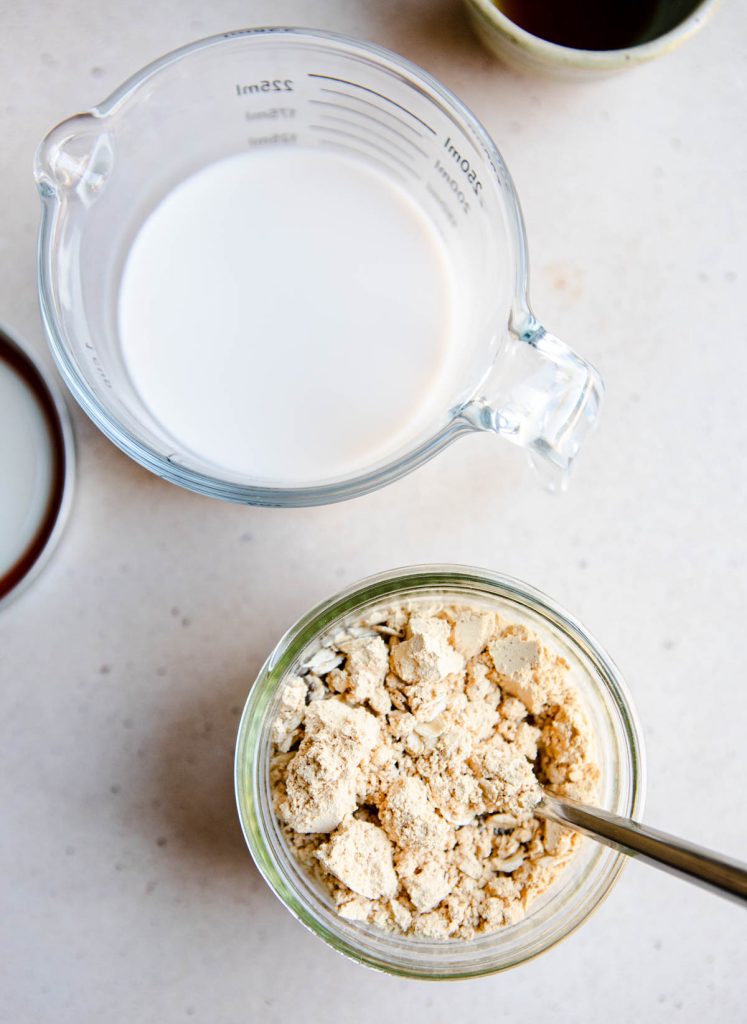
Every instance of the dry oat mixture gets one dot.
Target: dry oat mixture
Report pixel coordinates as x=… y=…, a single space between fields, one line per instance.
x=405 y=768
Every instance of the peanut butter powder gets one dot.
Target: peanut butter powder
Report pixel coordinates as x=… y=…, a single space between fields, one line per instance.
x=408 y=753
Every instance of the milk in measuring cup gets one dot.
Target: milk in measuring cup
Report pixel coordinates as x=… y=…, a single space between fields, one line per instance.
x=289 y=314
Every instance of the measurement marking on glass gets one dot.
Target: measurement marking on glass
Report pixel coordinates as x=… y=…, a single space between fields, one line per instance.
x=453 y=185
x=268 y=85
x=464 y=165
x=356 y=85
x=271 y=140
x=370 y=117
x=364 y=141
x=443 y=205
x=271 y=113
x=367 y=156
x=382 y=138
x=374 y=106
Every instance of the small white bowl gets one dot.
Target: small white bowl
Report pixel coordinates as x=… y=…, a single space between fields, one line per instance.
x=525 y=51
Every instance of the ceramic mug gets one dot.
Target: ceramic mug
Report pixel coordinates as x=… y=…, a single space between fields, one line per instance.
x=672 y=22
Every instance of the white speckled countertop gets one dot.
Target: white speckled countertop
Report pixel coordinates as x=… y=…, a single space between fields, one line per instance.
x=126 y=892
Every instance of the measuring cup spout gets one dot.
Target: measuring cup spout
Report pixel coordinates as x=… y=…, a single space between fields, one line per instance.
x=543 y=397
x=76 y=156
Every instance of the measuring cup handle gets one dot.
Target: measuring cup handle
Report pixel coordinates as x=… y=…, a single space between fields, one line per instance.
x=543 y=397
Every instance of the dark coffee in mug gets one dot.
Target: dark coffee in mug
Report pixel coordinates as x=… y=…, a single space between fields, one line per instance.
x=597 y=24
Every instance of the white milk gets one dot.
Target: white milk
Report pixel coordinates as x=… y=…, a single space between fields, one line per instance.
x=289 y=314
x=26 y=467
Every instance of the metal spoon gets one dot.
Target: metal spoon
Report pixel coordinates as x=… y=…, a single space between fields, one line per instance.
x=721 y=875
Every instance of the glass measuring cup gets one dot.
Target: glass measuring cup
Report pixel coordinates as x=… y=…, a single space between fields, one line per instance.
x=101 y=173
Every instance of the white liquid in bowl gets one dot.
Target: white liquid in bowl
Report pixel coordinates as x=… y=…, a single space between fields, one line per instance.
x=289 y=315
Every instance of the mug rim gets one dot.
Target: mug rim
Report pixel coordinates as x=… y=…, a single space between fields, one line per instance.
x=557 y=55
x=251 y=739
x=212 y=486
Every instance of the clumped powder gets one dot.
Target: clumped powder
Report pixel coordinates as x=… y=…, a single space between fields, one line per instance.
x=407 y=757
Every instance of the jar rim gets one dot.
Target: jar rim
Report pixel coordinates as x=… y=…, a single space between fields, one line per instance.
x=288 y=880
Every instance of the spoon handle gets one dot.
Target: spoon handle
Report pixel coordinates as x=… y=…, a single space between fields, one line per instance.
x=722 y=875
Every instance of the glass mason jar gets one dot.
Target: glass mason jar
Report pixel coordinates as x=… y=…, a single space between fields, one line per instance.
x=584 y=882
